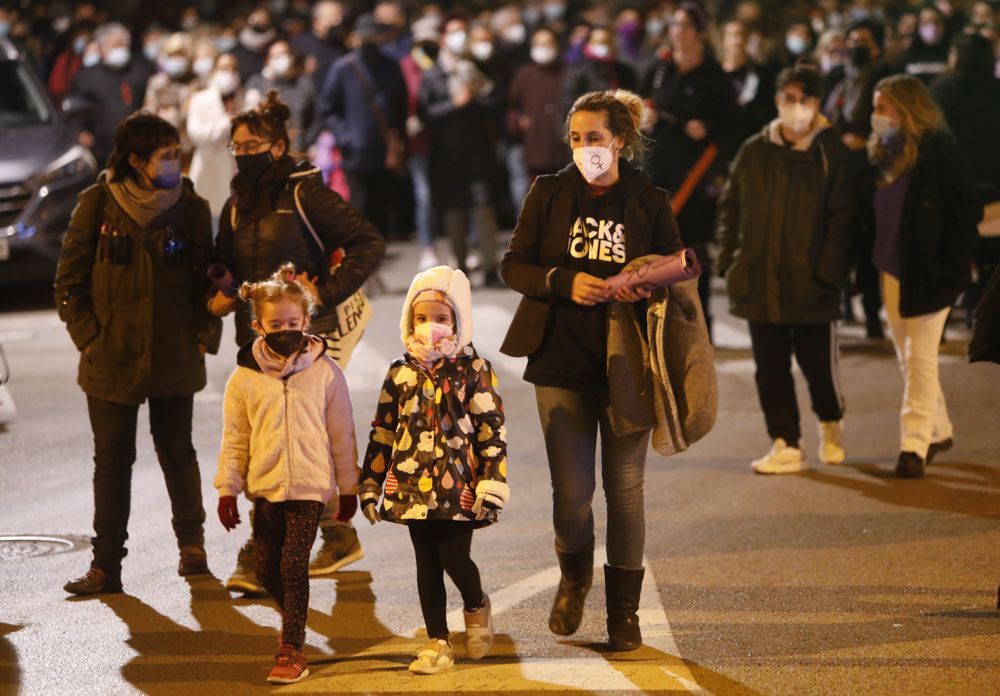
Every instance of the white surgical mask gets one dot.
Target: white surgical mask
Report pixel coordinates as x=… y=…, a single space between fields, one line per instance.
x=118 y=57
x=929 y=33
x=89 y=60
x=654 y=27
x=543 y=55
x=226 y=81
x=151 y=49
x=481 y=50
x=883 y=126
x=175 y=66
x=203 y=66
x=795 y=44
x=796 y=117
x=514 y=33
x=455 y=41
x=430 y=333
x=593 y=161
x=599 y=50
x=280 y=64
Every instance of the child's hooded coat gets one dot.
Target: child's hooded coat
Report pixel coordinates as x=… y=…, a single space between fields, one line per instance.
x=437 y=432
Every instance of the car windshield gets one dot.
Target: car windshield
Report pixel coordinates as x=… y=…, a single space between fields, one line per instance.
x=21 y=102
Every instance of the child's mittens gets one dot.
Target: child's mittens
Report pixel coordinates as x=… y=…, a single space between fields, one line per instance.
x=490 y=495
x=229 y=514
x=348 y=506
x=369 y=507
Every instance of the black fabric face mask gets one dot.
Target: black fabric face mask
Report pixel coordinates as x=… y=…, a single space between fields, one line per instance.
x=251 y=167
x=286 y=343
x=860 y=56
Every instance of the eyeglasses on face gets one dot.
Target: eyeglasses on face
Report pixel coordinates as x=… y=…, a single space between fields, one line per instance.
x=250 y=147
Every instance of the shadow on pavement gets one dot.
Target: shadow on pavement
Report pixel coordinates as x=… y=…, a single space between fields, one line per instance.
x=975 y=492
x=352 y=625
x=228 y=648
x=10 y=668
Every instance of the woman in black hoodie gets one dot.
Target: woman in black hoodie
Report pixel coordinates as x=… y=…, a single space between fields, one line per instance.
x=576 y=229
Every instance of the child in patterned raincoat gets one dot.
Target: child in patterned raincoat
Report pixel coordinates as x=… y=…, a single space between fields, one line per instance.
x=437 y=454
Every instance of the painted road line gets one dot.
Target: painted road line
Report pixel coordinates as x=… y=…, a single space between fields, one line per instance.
x=656 y=666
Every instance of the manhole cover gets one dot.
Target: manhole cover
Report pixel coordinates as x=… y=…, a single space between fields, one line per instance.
x=29 y=545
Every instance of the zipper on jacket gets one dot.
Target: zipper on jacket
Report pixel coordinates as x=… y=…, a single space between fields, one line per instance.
x=288 y=439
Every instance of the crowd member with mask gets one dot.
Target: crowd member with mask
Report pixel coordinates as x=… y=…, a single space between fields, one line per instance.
x=785 y=222
x=511 y=34
x=926 y=213
x=576 y=229
x=254 y=39
x=283 y=74
x=278 y=205
x=390 y=17
x=599 y=70
x=131 y=286
x=423 y=55
x=209 y=116
x=927 y=56
x=696 y=128
x=203 y=61
x=113 y=88
x=533 y=107
x=800 y=39
x=363 y=103
x=69 y=62
x=848 y=105
x=169 y=91
x=969 y=97
x=458 y=105
x=324 y=44
x=751 y=83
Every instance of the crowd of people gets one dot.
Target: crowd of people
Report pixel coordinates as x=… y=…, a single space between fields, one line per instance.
x=807 y=141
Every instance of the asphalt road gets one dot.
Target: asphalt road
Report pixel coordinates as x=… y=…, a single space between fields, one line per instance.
x=842 y=580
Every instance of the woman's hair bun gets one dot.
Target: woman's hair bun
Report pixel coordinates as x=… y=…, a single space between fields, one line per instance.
x=635 y=105
x=273 y=109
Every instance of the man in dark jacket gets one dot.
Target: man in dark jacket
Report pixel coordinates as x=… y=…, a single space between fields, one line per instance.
x=363 y=100
x=599 y=70
x=113 y=89
x=785 y=219
x=254 y=39
x=322 y=46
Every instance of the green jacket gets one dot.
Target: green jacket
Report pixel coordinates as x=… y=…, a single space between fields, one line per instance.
x=134 y=299
x=785 y=227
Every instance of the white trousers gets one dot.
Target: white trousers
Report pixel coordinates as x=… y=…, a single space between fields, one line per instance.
x=923 y=418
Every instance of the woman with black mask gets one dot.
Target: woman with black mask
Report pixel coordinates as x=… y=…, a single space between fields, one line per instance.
x=280 y=211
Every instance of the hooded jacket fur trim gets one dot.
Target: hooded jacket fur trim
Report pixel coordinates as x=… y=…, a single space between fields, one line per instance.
x=455 y=286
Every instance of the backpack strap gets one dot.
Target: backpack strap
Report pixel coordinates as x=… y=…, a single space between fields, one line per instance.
x=302 y=215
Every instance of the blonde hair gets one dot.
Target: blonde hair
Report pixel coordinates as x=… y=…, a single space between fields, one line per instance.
x=624 y=110
x=282 y=285
x=919 y=116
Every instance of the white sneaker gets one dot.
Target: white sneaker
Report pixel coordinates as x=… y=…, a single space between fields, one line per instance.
x=428 y=259
x=831 y=448
x=782 y=459
x=433 y=658
x=479 y=631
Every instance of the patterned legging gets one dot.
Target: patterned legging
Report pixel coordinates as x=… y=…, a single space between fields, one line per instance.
x=283 y=535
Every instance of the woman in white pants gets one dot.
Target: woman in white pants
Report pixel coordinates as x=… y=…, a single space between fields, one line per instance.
x=926 y=212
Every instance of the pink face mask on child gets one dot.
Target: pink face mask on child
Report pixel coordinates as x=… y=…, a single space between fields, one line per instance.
x=430 y=333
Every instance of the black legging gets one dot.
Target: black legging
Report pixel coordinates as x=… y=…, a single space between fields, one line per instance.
x=443 y=546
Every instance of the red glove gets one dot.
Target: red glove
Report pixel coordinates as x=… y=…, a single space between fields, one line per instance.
x=229 y=514
x=348 y=506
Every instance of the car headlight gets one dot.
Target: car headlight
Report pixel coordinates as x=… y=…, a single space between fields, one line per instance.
x=75 y=161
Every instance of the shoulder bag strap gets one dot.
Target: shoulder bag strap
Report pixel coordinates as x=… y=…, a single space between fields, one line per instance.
x=366 y=87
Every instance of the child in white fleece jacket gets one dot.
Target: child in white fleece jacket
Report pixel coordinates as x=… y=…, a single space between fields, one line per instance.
x=288 y=442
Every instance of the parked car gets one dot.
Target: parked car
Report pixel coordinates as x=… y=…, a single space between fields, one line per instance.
x=42 y=169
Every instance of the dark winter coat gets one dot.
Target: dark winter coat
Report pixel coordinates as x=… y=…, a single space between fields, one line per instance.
x=938 y=228
x=972 y=111
x=534 y=264
x=133 y=299
x=348 y=114
x=535 y=93
x=595 y=76
x=462 y=143
x=112 y=95
x=435 y=435
x=785 y=220
x=254 y=245
x=324 y=52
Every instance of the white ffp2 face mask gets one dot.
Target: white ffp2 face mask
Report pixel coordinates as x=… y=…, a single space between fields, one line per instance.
x=593 y=161
x=796 y=117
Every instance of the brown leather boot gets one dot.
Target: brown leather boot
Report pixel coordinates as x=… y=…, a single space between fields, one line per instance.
x=96 y=581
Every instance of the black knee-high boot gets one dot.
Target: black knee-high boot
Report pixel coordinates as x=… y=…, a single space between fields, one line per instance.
x=623 y=587
x=577 y=574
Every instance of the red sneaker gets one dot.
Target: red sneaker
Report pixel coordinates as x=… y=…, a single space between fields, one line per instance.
x=289 y=666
